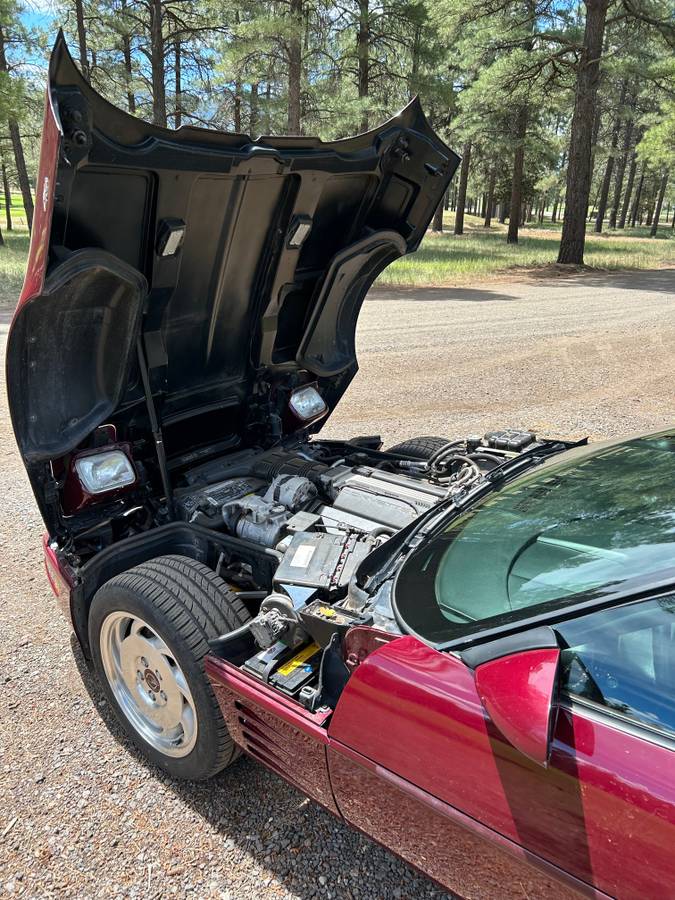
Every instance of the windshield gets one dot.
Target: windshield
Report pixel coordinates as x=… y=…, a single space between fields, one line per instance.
x=565 y=529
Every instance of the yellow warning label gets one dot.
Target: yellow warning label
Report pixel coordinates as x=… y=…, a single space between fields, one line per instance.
x=298 y=660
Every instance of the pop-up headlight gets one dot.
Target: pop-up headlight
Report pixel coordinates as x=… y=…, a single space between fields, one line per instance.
x=106 y=471
x=307 y=404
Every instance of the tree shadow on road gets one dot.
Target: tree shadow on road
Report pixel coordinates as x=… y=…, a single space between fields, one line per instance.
x=424 y=294
x=555 y=278
x=260 y=815
x=657 y=280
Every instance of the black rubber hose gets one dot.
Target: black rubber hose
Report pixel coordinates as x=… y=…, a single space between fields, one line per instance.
x=486 y=457
x=219 y=643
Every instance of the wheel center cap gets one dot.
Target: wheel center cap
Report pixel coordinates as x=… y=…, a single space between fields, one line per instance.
x=151 y=680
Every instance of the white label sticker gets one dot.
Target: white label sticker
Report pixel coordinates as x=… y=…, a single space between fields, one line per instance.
x=302 y=556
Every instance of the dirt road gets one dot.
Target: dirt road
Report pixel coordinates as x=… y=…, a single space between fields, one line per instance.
x=591 y=354
x=81 y=816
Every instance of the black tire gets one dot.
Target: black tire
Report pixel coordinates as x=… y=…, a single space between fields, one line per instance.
x=419 y=447
x=186 y=604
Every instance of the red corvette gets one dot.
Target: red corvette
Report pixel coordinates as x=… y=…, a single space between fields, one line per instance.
x=466 y=649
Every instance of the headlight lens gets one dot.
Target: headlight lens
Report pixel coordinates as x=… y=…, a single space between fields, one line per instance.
x=102 y=472
x=307 y=403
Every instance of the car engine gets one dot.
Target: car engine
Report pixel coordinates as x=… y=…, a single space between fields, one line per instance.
x=334 y=488
x=321 y=508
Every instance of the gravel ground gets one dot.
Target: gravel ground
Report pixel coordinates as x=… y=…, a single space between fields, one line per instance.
x=81 y=815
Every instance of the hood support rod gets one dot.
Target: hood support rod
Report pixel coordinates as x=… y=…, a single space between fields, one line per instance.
x=156 y=429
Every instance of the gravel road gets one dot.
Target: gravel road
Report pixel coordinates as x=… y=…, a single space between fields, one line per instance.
x=81 y=816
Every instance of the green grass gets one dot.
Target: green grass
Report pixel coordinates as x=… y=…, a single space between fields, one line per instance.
x=442 y=258
x=13 y=258
x=480 y=253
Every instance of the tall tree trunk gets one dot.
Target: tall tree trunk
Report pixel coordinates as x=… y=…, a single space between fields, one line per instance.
x=437 y=224
x=517 y=177
x=629 y=190
x=178 y=114
x=8 y=197
x=268 y=108
x=620 y=172
x=295 y=68
x=128 y=71
x=157 y=64
x=597 y=121
x=21 y=170
x=415 y=63
x=638 y=195
x=363 y=50
x=490 y=199
x=659 y=204
x=253 y=111
x=609 y=168
x=579 y=169
x=554 y=211
x=126 y=53
x=461 y=190
x=237 y=105
x=17 y=147
x=82 y=39
x=556 y=202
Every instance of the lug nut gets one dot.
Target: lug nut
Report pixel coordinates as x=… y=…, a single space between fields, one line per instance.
x=159 y=677
x=152 y=696
x=163 y=696
x=144 y=662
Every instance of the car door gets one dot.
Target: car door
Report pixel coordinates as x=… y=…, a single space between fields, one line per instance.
x=415 y=761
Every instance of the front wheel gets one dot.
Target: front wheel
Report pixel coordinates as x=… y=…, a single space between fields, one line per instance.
x=149 y=630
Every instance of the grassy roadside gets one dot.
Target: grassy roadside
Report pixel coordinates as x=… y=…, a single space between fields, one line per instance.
x=13 y=258
x=444 y=259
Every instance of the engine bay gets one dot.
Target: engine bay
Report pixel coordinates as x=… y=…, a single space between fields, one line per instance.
x=321 y=508
x=291 y=529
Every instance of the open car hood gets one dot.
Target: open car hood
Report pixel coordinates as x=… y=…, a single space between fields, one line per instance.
x=235 y=267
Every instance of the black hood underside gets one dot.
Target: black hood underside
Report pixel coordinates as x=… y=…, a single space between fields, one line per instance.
x=235 y=266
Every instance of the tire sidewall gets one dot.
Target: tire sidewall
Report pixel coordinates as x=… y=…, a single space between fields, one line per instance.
x=202 y=760
x=412 y=449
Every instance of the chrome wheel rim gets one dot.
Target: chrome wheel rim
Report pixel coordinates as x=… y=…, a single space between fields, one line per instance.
x=148 y=684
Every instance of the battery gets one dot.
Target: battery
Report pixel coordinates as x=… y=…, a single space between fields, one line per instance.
x=285 y=669
x=266 y=661
x=297 y=671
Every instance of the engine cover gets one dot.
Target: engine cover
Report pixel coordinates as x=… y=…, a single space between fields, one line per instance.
x=367 y=499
